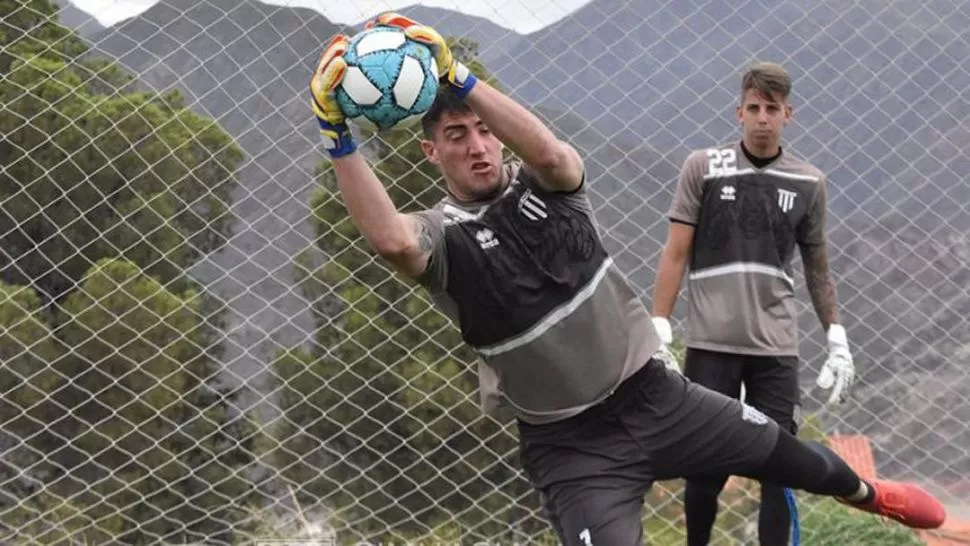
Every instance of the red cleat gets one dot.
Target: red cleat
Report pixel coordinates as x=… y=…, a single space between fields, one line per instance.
x=906 y=503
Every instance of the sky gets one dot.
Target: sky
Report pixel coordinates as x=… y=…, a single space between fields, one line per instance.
x=522 y=16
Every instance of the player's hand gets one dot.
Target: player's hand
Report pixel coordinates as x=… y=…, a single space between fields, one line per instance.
x=337 y=138
x=838 y=372
x=666 y=335
x=450 y=70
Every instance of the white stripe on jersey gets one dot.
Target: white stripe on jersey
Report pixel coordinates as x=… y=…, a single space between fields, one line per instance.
x=554 y=317
x=773 y=172
x=740 y=267
x=533 y=208
x=727 y=173
x=456 y=215
x=791 y=176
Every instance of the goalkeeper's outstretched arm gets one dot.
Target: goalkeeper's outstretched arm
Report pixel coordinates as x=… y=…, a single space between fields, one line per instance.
x=556 y=162
x=396 y=237
x=401 y=239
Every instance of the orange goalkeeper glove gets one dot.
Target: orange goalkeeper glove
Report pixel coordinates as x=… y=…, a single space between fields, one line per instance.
x=337 y=138
x=450 y=70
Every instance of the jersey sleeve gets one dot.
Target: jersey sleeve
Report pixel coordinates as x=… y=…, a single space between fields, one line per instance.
x=686 y=205
x=435 y=274
x=812 y=228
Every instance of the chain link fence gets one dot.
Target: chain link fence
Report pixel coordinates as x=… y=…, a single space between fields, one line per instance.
x=197 y=347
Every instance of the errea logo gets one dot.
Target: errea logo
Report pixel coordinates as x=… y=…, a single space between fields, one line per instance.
x=486 y=238
x=728 y=193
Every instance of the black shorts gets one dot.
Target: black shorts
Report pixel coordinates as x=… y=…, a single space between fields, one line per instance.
x=770 y=382
x=594 y=469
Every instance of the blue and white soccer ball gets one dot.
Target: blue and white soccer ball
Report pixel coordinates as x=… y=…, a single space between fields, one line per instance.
x=390 y=82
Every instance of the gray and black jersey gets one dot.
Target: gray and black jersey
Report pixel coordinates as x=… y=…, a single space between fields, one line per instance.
x=527 y=280
x=748 y=222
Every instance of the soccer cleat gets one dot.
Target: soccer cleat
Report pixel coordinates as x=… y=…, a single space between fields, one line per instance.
x=906 y=503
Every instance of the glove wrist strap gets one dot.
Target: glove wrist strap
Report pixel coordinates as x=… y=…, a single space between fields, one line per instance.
x=836 y=336
x=337 y=139
x=664 y=331
x=461 y=80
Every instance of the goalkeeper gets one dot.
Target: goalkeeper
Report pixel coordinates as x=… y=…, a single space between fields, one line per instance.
x=512 y=255
x=738 y=213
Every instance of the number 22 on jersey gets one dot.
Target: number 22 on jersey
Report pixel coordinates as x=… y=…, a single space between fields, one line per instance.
x=721 y=162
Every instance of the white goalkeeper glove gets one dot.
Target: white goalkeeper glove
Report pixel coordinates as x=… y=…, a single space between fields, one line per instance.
x=838 y=372
x=666 y=335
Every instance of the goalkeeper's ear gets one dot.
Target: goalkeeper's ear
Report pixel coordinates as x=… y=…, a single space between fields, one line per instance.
x=430 y=151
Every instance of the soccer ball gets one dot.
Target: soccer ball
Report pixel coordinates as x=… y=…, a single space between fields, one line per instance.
x=390 y=82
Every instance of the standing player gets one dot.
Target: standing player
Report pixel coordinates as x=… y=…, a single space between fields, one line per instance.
x=738 y=213
x=513 y=257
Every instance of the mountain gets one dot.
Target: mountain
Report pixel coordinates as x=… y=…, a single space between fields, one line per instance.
x=490 y=36
x=880 y=106
x=82 y=23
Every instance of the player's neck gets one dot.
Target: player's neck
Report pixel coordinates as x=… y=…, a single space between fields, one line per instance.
x=469 y=201
x=760 y=158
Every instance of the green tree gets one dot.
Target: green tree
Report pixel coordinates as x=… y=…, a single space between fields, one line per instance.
x=89 y=171
x=28 y=382
x=382 y=418
x=29 y=28
x=27 y=351
x=150 y=441
x=108 y=194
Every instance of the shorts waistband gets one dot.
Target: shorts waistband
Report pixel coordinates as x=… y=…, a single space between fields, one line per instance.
x=611 y=405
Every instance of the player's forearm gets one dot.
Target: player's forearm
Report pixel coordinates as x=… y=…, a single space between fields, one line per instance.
x=371 y=208
x=821 y=287
x=824 y=299
x=670 y=275
x=517 y=127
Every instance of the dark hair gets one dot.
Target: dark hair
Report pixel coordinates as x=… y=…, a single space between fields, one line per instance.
x=768 y=79
x=446 y=102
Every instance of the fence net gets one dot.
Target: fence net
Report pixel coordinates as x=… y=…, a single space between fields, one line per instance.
x=197 y=347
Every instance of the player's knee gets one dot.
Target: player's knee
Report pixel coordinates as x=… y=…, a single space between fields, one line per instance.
x=599 y=522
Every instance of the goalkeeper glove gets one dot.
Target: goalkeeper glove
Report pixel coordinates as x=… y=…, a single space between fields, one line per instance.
x=337 y=138
x=838 y=372
x=450 y=70
x=666 y=335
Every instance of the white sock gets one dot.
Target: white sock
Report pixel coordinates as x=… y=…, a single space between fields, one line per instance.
x=860 y=494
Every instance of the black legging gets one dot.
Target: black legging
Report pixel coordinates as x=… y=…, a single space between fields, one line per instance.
x=808 y=466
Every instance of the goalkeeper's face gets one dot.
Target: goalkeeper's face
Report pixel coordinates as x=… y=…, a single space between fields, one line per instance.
x=468 y=154
x=762 y=119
